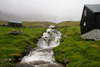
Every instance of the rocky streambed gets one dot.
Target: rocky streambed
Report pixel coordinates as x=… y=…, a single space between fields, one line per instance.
x=43 y=55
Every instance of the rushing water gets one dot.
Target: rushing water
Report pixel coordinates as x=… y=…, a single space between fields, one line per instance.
x=43 y=55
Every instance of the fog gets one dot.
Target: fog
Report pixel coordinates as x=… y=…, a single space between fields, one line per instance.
x=43 y=10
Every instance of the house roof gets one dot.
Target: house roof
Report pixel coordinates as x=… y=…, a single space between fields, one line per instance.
x=94 y=7
x=13 y=21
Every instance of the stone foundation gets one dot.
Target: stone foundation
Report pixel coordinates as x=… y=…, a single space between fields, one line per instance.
x=94 y=34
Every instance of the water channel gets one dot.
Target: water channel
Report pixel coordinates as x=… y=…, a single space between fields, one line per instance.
x=43 y=54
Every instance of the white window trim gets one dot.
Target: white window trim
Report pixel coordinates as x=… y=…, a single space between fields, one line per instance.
x=85 y=13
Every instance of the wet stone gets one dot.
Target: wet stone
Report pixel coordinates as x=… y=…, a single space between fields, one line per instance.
x=2 y=66
x=38 y=62
x=5 y=60
x=48 y=65
x=23 y=65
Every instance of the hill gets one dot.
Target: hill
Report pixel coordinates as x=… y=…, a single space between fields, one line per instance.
x=7 y=16
x=32 y=24
x=38 y=16
x=68 y=23
x=37 y=23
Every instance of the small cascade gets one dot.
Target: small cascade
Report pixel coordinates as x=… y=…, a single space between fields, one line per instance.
x=43 y=55
x=50 y=38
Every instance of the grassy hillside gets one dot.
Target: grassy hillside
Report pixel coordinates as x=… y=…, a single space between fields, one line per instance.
x=12 y=46
x=80 y=52
x=34 y=23
x=3 y=22
x=38 y=23
x=68 y=23
x=45 y=23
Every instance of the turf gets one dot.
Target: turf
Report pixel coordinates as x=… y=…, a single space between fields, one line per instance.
x=12 y=46
x=68 y=23
x=80 y=52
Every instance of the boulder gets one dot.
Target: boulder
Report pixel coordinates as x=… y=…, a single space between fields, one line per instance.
x=23 y=65
x=38 y=62
x=21 y=32
x=6 y=60
x=66 y=62
x=14 y=32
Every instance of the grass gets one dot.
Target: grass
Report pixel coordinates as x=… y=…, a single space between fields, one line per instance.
x=38 y=23
x=12 y=46
x=34 y=23
x=80 y=52
x=68 y=23
x=3 y=22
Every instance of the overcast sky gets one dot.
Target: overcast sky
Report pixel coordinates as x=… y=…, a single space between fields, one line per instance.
x=51 y=10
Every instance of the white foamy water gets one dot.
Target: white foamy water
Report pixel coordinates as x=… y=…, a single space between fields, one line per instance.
x=44 y=51
x=39 y=54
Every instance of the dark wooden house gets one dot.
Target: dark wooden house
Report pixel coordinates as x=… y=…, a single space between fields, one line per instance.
x=13 y=23
x=90 y=22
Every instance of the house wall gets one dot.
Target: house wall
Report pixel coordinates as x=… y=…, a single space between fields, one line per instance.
x=97 y=19
x=93 y=34
x=15 y=24
x=87 y=22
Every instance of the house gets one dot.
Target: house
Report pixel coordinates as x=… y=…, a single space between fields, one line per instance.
x=90 y=22
x=13 y=23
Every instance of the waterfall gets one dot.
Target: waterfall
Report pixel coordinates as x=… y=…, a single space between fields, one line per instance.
x=50 y=38
x=43 y=54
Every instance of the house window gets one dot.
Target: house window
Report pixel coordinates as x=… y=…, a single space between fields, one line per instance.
x=84 y=13
x=84 y=24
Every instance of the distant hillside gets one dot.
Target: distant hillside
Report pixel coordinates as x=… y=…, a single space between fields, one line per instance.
x=29 y=17
x=68 y=23
x=37 y=23
x=46 y=23
x=3 y=22
x=32 y=24
x=6 y=17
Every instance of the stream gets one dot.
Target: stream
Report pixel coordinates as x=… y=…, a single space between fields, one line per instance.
x=43 y=54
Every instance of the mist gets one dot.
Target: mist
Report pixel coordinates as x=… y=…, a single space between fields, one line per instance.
x=43 y=10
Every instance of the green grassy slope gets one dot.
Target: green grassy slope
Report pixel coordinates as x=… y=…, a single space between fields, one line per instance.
x=68 y=23
x=34 y=23
x=14 y=45
x=37 y=23
x=4 y=22
x=80 y=52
